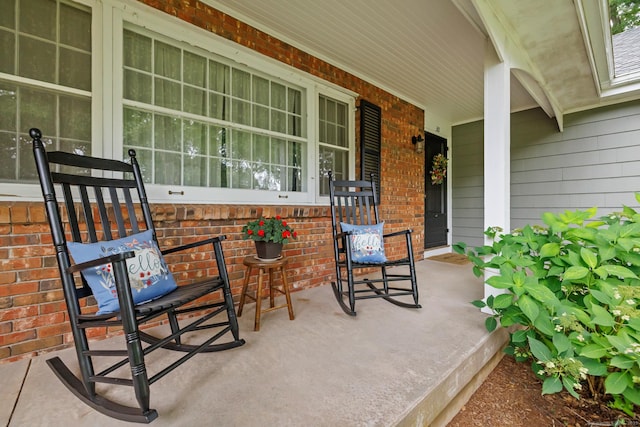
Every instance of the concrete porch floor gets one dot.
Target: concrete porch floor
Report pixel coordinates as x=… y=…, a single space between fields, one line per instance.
x=388 y=366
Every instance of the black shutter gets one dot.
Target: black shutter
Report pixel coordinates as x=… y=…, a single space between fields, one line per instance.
x=370 y=142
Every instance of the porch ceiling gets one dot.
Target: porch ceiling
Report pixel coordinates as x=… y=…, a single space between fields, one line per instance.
x=431 y=53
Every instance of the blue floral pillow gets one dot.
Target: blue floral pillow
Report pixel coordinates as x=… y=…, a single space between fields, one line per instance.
x=367 y=245
x=148 y=273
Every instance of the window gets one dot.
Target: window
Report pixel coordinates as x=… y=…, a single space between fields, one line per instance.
x=202 y=113
x=333 y=137
x=196 y=120
x=45 y=81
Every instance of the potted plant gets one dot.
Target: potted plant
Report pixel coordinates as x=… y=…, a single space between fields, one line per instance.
x=269 y=234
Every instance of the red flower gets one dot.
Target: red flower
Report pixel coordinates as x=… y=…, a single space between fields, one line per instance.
x=284 y=223
x=261 y=223
x=261 y=233
x=278 y=217
x=249 y=231
x=295 y=234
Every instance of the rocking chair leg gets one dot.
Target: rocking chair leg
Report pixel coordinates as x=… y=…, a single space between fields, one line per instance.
x=340 y=298
x=100 y=404
x=173 y=323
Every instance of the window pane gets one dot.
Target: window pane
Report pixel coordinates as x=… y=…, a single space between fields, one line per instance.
x=167 y=94
x=241 y=84
x=8 y=156
x=167 y=169
x=241 y=146
x=219 y=77
x=137 y=51
x=219 y=107
x=241 y=175
x=167 y=132
x=261 y=149
x=195 y=139
x=38 y=109
x=278 y=96
x=261 y=90
x=167 y=61
x=241 y=112
x=75 y=27
x=7 y=47
x=195 y=101
x=37 y=59
x=38 y=17
x=7 y=17
x=73 y=66
x=138 y=130
x=77 y=112
x=195 y=171
x=219 y=172
x=137 y=86
x=8 y=107
x=195 y=70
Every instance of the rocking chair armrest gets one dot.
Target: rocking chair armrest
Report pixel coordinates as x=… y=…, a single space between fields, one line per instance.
x=399 y=233
x=100 y=261
x=342 y=234
x=211 y=240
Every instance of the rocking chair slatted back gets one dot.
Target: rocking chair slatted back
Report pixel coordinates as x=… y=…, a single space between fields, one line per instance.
x=355 y=207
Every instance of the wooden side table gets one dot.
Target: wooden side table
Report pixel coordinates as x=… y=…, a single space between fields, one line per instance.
x=265 y=266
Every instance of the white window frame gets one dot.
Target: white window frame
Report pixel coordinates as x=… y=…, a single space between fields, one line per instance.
x=108 y=21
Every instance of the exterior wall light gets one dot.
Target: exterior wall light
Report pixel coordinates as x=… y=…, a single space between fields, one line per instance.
x=418 y=141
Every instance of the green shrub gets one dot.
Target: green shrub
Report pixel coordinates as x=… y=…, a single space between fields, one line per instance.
x=572 y=290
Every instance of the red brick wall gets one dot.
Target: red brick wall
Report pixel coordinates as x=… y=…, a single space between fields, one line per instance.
x=32 y=313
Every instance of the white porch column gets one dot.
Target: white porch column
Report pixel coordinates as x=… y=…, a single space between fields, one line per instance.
x=497 y=142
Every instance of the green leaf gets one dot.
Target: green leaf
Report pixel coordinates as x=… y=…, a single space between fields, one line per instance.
x=549 y=250
x=619 y=271
x=503 y=301
x=529 y=307
x=500 y=282
x=575 y=273
x=589 y=258
x=601 y=296
x=621 y=342
x=630 y=230
x=543 y=325
x=593 y=351
x=596 y=368
x=622 y=362
x=633 y=395
x=551 y=385
x=478 y=303
x=616 y=382
x=568 y=385
x=491 y=324
x=561 y=342
x=601 y=316
x=519 y=336
x=539 y=350
x=541 y=293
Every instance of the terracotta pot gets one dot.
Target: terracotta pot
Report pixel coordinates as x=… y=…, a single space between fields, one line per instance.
x=268 y=250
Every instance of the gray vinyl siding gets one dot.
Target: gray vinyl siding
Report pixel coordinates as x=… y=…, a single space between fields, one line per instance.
x=467 y=197
x=594 y=162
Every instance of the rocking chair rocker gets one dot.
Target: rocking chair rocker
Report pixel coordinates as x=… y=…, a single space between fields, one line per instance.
x=121 y=184
x=358 y=243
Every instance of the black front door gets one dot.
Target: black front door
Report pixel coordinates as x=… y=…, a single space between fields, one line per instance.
x=435 y=203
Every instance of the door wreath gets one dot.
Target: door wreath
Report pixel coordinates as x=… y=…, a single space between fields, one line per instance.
x=439 y=169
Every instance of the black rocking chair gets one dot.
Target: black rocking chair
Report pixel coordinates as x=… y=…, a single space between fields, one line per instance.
x=82 y=178
x=357 y=243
